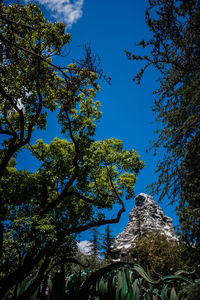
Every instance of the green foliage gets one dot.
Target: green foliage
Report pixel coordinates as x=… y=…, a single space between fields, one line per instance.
x=174 y=51
x=155 y=252
x=190 y=292
x=107 y=242
x=78 y=178
x=120 y=281
x=95 y=244
x=123 y=281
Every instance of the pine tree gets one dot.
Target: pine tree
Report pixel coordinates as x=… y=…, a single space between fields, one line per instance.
x=95 y=243
x=107 y=243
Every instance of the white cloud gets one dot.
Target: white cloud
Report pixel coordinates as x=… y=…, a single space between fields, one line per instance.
x=68 y=11
x=84 y=246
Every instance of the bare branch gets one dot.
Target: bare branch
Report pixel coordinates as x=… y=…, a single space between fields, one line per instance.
x=114 y=189
x=97 y=223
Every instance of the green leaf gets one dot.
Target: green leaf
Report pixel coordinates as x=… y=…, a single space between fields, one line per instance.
x=136 y=290
x=164 y=290
x=144 y=275
x=124 y=287
x=173 y=295
x=119 y=285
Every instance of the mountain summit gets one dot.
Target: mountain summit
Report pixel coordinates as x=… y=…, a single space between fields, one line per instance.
x=144 y=218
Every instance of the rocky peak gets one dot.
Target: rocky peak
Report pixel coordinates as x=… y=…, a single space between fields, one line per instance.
x=145 y=217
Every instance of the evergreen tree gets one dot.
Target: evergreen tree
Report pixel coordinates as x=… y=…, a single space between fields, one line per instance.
x=107 y=242
x=175 y=52
x=95 y=243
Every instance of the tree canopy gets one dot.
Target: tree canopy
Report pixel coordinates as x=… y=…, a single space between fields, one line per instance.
x=155 y=252
x=79 y=178
x=175 y=53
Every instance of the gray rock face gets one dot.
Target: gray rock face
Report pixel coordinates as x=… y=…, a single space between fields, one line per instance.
x=145 y=217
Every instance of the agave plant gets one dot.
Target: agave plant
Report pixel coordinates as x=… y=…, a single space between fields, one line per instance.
x=122 y=281
x=117 y=281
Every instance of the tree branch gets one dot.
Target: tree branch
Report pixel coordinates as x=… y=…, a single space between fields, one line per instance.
x=36 y=117
x=86 y=199
x=59 y=199
x=97 y=223
x=17 y=23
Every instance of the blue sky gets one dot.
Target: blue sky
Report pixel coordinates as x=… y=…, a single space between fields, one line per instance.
x=111 y=27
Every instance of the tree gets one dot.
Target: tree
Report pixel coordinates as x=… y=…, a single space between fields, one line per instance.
x=107 y=242
x=95 y=243
x=175 y=52
x=78 y=178
x=155 y=252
